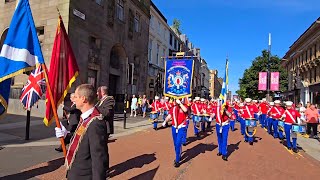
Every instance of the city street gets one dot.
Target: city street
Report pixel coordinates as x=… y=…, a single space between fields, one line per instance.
x=143 y=153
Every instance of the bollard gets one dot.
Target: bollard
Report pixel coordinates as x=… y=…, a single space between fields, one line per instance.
x=124 y=119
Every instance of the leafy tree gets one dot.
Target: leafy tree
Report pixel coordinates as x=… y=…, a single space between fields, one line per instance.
x=176 y=26
x=249 y=82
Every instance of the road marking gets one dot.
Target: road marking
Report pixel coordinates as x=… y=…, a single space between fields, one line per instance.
x=300 y=155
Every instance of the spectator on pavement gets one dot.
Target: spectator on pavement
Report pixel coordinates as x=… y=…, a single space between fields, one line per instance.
x=312 y=116
x=144 y=105
x=134 y=106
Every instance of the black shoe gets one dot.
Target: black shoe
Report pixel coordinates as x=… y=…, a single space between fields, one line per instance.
x=289 y=148
x=225 y=158
x=295 y=150
x=184 y=144
x=251 y=143
x=59 y=149
x=155 y=129
x=198 y=135
x=176 y=164
x=219 y=154
x=245 y=141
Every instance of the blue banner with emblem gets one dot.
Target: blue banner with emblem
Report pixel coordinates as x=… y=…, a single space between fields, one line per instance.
x=178 y=78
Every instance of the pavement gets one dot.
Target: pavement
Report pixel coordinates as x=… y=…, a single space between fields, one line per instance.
x=139 y=152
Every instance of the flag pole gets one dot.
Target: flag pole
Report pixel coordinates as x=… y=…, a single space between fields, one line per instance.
x=54 y=108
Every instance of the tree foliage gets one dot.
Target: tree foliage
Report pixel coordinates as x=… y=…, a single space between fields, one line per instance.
x=249 y=82
x=177 y=26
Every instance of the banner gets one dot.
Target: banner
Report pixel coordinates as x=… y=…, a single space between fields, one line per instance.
x=224 y=89
x=63 y=71
x=262 y=81
x=178 y=78
x=21 y=50
x=274 y=81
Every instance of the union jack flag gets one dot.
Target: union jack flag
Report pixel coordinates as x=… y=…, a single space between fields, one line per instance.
x=34 y=88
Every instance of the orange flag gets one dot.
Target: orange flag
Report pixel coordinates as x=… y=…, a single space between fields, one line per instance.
x=63 y=70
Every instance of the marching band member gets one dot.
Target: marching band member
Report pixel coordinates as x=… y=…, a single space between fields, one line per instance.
x=196 y=110
x=166 y=107
x=263 y=108
x=275 y=114
x=178 y=114
x=204 y=109
x=156 y=107
x=269 y=119
x=248 y=114
x=256 y=114
x=222 y=129
x=290 y=115
x=232 y=117
x=187 y=102
x=236 y=109
x=241 y=119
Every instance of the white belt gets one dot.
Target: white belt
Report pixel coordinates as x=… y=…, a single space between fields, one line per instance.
x=179 y=127
x=225 y=123
x=288 y=123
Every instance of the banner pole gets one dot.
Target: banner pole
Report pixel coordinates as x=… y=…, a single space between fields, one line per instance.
x=54 y=108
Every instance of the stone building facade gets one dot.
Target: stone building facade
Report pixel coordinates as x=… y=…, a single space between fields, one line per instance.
x=109 y=39
x=215 y=84
x=302 y=63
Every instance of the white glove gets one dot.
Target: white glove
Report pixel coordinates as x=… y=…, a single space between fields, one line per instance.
x=178 y=101
x=61 y=132
x=164 y=124
x=210 y=119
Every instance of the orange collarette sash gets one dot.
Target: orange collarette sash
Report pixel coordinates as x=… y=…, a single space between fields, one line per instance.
x=78 y=136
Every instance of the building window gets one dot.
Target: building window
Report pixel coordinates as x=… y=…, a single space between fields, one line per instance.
x=40 y=33
x=175 y=44
x=152 y=21
x=7 y=1
x=170 y=40
x=99 y=2
x=159 y=28
x=137 y=22
x=120 y=10
x=310 y=54
x=157 y=60
x=150 y=50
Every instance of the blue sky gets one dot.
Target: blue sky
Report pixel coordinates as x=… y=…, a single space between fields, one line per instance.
x=239 y=28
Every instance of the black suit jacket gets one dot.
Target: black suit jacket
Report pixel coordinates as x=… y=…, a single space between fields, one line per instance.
x=74 y=117
x=106 y=108
x=92 y=159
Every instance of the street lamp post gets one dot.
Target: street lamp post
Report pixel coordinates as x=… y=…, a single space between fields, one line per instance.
x=268 y=71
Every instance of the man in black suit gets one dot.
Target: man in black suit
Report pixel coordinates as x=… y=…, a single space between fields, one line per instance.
x=87 y=154
x=73 y=121
x=106 y=107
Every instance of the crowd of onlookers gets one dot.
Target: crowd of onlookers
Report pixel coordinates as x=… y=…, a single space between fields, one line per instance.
x=311 y=112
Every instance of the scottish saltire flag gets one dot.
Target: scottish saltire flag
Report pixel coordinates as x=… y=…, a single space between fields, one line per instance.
x=224 y=90
x=34 y=88
x=178 y=78
x=21 y=50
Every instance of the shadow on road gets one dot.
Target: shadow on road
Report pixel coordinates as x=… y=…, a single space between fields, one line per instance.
x=196 y=150
x=52 y=166
x=146 y=175
x=233 y=147
x=202 y=135
x=136 y=162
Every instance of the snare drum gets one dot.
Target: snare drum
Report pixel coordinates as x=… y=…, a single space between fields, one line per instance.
x=298 y=128
x=281 y=124
x=206 y=117
x=196 y=118
x=154 y=115
x=165 y=112
x=251 y=123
